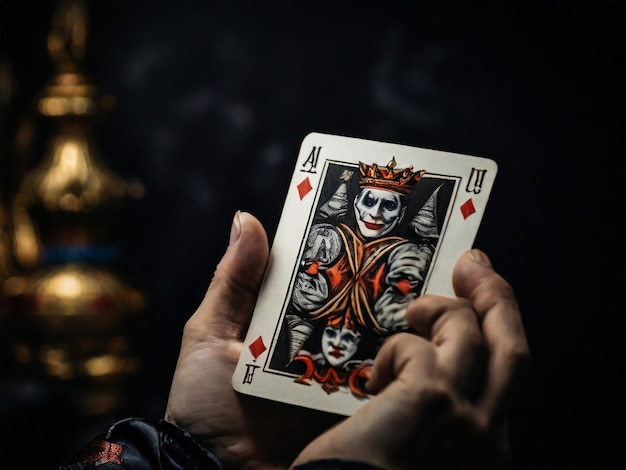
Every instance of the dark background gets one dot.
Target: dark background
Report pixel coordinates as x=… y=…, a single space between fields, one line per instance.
x=214 y=98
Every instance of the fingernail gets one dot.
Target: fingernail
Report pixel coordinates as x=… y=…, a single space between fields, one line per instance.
x=480 y=257
x=235 y=229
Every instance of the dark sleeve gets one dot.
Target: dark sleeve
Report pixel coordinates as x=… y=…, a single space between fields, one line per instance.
x=138 y=444
x=335 y=464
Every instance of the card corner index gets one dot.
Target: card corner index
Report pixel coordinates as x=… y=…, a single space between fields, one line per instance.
x=242 y=376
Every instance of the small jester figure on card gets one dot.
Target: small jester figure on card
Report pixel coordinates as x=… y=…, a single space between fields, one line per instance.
x=359 y=269
x=336 y=365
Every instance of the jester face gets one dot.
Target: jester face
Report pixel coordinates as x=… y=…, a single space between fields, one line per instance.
x=378 y=211
x=339 y=344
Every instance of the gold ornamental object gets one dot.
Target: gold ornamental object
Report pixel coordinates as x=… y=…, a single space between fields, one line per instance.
x=6 y=239
x=5 y=246
x=70 y=316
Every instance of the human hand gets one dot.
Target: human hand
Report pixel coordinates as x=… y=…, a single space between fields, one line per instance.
x=442 y=396
x=243 y=432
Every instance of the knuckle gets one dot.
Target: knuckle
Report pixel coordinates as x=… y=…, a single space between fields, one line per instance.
x=475 y=339
x=436 y=395
x=518 y=353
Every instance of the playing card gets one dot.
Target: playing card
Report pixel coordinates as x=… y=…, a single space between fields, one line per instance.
x=366 y=227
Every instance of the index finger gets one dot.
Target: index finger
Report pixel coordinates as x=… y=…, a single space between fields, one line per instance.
x=494 y=301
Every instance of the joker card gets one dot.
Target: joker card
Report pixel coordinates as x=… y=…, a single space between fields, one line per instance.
x=366 y=227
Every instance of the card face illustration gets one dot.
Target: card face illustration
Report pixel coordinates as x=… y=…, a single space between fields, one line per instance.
x=366 y=227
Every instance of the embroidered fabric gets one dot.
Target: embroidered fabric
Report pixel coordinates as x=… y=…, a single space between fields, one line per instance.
x=139 y=444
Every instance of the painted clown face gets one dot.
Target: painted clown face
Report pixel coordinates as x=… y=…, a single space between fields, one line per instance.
x=378 y=211
x=339 y=345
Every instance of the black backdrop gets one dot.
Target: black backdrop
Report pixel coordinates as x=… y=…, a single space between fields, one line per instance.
x=203 y=86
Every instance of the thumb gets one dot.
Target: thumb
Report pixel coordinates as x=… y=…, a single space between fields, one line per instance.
x=230 y=298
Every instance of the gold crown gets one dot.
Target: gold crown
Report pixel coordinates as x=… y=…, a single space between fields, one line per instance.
x=400 y=181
